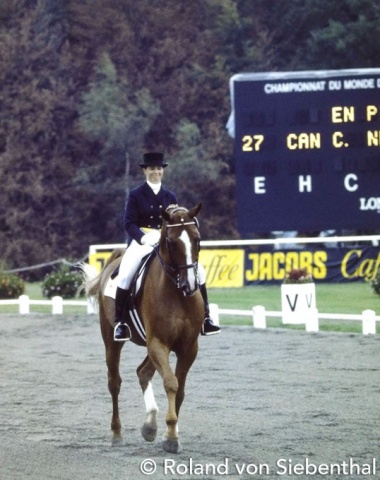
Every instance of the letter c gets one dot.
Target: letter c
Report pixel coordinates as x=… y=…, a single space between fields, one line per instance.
x=349 y=182
x=337 y=139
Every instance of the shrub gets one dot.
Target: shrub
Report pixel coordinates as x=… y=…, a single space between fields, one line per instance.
x=11 y=285
x=375 y=284
x=63 y=283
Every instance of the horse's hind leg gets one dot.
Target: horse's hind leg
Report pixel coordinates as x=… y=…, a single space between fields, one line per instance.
x=114 y=384
x=113 y=350
x=145 y=373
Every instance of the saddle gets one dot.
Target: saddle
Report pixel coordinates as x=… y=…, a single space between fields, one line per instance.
x=140 y=277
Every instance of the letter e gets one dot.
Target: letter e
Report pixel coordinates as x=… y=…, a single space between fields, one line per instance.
x=259 y=185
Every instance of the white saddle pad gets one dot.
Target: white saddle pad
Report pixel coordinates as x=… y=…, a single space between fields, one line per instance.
x=110 y=290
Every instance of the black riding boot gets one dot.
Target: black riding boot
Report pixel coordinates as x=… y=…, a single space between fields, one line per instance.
x=208 y=327
x=122 y=332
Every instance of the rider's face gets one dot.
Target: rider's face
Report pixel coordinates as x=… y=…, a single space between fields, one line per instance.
x=154 y=174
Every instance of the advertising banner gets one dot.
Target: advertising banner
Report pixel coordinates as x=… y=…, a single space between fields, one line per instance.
x=325 y=265
x=237 y=267
x=224 y=268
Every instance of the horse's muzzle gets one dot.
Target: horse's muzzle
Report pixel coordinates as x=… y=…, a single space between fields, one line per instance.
x=188 y=283
x=187 y=291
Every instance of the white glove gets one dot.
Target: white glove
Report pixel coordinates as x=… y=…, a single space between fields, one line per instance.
x=151 y=238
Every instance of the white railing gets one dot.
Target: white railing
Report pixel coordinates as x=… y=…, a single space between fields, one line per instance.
x=259 y=317
x=56 y=303
x=258 y=313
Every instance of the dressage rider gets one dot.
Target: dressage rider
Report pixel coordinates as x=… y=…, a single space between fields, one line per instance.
x=144 y=212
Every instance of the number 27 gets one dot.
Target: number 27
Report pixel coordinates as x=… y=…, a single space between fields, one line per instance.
x=252 y=142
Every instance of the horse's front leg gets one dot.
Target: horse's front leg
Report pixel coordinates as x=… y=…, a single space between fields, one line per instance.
x=159 y=355
x=185 y=359
x=145 y=374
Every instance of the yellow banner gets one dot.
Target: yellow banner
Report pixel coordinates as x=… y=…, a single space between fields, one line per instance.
x=98 y=259
x=224 y=268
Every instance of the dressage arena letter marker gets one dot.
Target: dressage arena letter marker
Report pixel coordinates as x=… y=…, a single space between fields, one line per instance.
x=292 y=306
x=297 y=300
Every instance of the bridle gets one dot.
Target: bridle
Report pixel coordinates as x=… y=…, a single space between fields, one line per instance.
x=173 y=270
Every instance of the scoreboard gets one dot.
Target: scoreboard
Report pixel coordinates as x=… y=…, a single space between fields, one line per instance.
x=307 y=150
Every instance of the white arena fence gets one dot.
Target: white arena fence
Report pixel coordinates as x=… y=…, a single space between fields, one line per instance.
x=57 y=304
x=259 y=317
x=258 y=313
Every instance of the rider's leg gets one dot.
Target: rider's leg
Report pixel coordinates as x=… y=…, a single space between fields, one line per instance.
x=128 y=267
x=122 y=332
x=208 y=327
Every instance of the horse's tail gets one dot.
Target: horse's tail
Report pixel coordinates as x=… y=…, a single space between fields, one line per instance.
x=91 y=278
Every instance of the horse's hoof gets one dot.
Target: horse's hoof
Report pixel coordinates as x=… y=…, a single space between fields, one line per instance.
x=117 y=440
x=171 y=446
x=148 y=432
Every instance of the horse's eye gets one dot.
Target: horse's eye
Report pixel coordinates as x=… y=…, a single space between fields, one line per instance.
x=171 y=243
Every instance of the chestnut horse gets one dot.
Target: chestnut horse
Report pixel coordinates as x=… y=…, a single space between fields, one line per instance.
x=172 y=311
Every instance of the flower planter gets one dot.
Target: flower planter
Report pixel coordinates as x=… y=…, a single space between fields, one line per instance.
x=297 y=302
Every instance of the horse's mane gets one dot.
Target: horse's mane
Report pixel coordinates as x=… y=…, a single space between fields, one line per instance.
x=173 y=208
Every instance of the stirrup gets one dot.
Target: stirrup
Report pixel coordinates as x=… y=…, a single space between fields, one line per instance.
x=122 y=332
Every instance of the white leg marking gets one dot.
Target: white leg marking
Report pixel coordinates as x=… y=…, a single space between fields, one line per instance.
x=150 y=401
x=190 y=273
x=149 y=429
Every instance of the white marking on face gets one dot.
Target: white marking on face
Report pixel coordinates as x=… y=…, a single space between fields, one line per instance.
x=190 y=273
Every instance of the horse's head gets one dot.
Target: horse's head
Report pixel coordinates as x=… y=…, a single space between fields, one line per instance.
x=181 y=243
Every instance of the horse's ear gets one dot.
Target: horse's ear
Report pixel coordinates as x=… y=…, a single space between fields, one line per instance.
x=193 y=212
x=165 y=215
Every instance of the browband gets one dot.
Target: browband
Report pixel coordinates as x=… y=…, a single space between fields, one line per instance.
x=181 y=224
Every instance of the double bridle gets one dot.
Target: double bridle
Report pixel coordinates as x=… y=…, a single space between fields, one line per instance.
x=173 y=270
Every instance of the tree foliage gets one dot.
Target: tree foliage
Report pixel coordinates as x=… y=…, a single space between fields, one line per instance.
x=87 y=87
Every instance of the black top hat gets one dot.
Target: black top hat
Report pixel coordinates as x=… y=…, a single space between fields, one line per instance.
x=153 y=159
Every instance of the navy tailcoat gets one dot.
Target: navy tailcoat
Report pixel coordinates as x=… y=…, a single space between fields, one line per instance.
x=144 y=209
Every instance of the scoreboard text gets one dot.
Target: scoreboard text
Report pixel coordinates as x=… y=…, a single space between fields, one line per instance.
x=307 y=150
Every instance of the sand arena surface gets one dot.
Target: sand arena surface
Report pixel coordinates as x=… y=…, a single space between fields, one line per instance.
x=256 y=401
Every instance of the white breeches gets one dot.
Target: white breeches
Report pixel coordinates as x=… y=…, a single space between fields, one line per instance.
x=131 y=261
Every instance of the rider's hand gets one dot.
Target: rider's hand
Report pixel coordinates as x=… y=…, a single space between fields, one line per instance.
x=151 y=238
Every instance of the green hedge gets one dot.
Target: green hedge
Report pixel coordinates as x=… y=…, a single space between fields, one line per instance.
x=11 y=285
x=64 y=283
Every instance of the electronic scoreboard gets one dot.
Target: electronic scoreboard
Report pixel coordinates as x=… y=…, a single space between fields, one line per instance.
x=307 y=150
